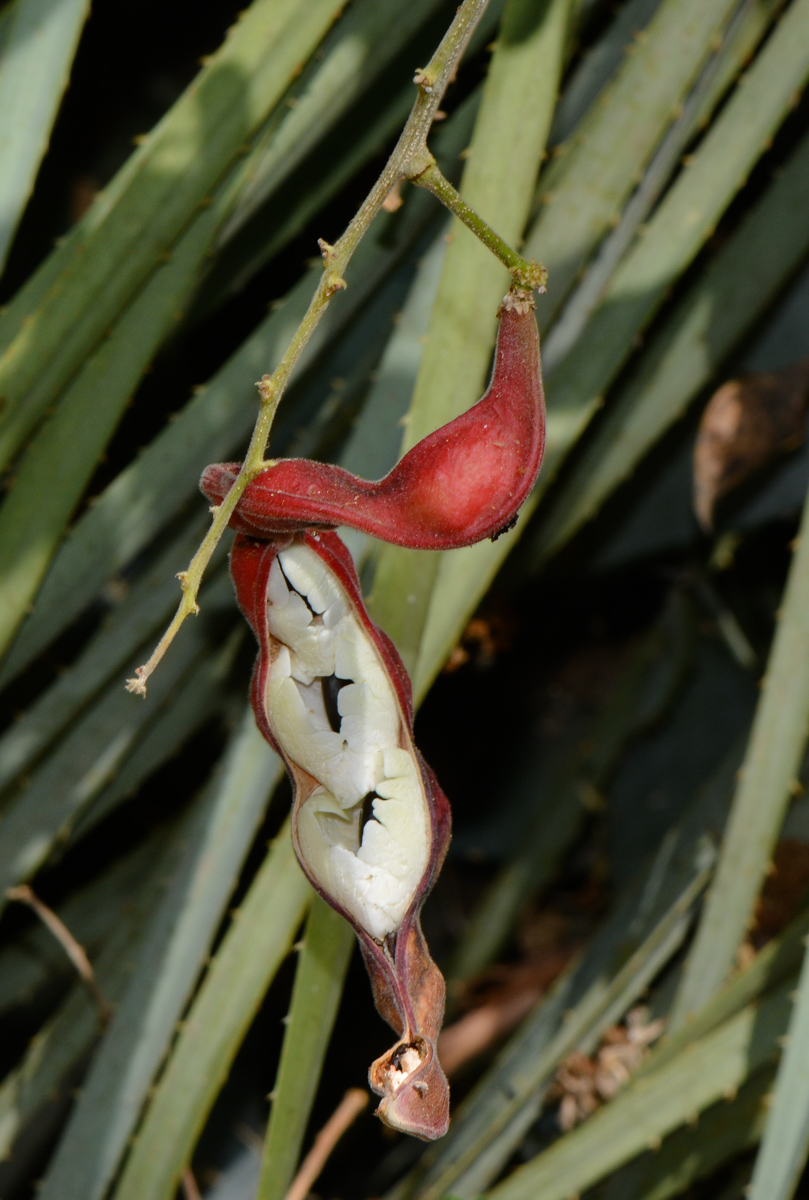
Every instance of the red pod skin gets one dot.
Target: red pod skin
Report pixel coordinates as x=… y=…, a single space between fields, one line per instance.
x=408 y=987
x=461 y=484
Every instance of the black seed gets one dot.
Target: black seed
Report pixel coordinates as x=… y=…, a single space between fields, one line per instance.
x=331 y=685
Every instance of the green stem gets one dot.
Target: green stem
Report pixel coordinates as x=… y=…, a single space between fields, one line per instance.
x=525 y=273
x=431 y=83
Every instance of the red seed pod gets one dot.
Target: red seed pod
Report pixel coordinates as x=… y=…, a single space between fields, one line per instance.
x=370 y=823
x=461 y=484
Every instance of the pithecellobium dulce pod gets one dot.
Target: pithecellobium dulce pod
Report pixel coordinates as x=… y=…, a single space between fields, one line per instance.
x=331 y=695
x=370 y=823
x=459 y=485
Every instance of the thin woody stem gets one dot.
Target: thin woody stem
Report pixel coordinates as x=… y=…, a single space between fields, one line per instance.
x=427 y=174
x=75 y=952
x=431 y=82
x=347 y=1111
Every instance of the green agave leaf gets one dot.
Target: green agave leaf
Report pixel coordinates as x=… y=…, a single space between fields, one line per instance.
x=259 y=938
x=373 y=446
x=44 y=811
x=651 y=1107
x=584 y=188
x=174 y=953
x=778 y=960
x=767 y=779
x=723 y=1131
x=58 y=464
x=785 y=1142
x=62 y=313
x=598 y=64
x=507 y=145
x=319 y=978
x=713 y=315
x=37 y=45
x=358 y=51
x=741 y=37
x=680 y=225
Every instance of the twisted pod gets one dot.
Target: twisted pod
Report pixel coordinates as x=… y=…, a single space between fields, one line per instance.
x=330 y=693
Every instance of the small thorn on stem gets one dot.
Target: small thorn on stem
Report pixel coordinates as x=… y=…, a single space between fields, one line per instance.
x=335 y=283
x=264 y=389
x=326 y=249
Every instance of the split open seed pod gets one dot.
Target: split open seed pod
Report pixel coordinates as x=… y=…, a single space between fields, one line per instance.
x=370 y=824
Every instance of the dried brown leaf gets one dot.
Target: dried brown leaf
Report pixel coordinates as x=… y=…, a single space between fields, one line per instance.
x=583 y=1083
x=746 y=423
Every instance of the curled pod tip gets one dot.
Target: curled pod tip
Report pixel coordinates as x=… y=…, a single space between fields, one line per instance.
x=461 y=484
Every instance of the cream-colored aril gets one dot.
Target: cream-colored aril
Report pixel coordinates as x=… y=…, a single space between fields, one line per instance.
x=372 y=872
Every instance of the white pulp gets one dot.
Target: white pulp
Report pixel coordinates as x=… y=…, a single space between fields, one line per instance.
x=372 y=872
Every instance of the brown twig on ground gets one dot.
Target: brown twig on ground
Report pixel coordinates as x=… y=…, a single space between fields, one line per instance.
x=347 y=1111
x=75 y=952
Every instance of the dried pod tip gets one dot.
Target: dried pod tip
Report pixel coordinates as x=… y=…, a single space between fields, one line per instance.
x=519 y=300
x=415 y=1096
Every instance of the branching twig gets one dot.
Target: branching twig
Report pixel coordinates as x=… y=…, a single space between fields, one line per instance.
x=349 y=1108
x=75 y=952
x=410 y=160
x=529 y=275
